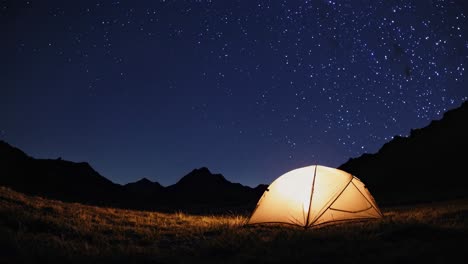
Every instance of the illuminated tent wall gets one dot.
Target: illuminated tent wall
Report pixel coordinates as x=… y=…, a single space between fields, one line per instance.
x=315 y=195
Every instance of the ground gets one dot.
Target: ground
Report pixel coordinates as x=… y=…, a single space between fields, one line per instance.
x=37 y=230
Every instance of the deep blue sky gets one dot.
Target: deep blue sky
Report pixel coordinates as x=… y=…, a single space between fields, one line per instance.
x=250 y=89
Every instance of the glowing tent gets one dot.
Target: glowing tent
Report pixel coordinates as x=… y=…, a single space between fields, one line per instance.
x=315 y=195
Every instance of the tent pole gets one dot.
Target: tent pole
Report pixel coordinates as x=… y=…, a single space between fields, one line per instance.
x=310 y=201
x=372 y=204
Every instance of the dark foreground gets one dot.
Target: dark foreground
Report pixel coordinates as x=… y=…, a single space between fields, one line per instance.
x=36 y=230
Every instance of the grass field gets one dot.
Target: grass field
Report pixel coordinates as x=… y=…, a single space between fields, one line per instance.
x=36 y=230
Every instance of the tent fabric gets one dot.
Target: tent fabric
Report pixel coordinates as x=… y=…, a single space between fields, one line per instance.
x=315 y=195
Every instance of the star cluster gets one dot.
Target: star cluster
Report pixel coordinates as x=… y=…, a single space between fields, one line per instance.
x=250 y=89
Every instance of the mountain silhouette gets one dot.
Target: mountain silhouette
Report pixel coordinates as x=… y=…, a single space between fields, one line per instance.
x=198 y=178
x=144 y=186
x=143 y=194
x=427 y=165
x=199 y=190
x=200 y=186
x=56 y=179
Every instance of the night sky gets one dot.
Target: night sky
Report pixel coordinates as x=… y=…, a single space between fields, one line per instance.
x=249 y=89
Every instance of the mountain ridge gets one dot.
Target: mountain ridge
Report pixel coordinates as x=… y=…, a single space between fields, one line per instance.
x=79 y=182
x=427 y=165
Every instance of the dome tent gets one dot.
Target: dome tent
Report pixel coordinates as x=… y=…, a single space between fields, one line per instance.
x=315 y=195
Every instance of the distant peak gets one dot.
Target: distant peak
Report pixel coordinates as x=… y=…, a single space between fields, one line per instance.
x=200 y=176
x=203 y=170
x=144 y=180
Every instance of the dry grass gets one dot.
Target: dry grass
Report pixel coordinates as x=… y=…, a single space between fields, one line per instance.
x=38 y=230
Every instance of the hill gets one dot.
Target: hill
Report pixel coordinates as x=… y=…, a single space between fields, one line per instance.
x=199 y=190
x=209 y=185
x=57 y=179
x=37 y=230
x=427 y=165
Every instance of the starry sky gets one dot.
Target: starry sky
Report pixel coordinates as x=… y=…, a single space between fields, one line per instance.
x=249 y=89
